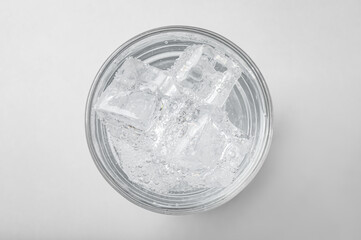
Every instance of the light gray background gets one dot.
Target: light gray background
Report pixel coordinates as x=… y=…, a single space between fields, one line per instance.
x=309 y=53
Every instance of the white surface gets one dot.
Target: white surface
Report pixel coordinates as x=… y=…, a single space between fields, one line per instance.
x=309 y=53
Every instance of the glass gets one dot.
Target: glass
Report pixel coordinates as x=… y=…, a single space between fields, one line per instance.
x=249 y=104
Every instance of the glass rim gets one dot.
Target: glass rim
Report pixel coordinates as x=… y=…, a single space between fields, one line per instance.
x=263 y=88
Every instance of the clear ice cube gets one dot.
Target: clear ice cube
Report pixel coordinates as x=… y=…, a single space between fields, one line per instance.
x=169 y=88
x=203 y=73
x=177 y=123
x=209 y=138
x=130 y=73
x=131 y=98
x=135 y=74
x=136 y=108
x=204 y=153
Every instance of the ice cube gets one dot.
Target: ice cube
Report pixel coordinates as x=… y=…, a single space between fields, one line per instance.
x=182 y=124
x=169 y=88
x=216 y=148
x=177 y=123
x=206 y=139
x=235 y=151
x=128 y=74
x=231 y=162
x=132 y=98
x=135 y=74
x=119 y=107
x=205 y=152
x=190 y=132
x=205 y=74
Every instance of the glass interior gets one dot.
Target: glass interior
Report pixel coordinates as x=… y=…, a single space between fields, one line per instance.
x=248 y=108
